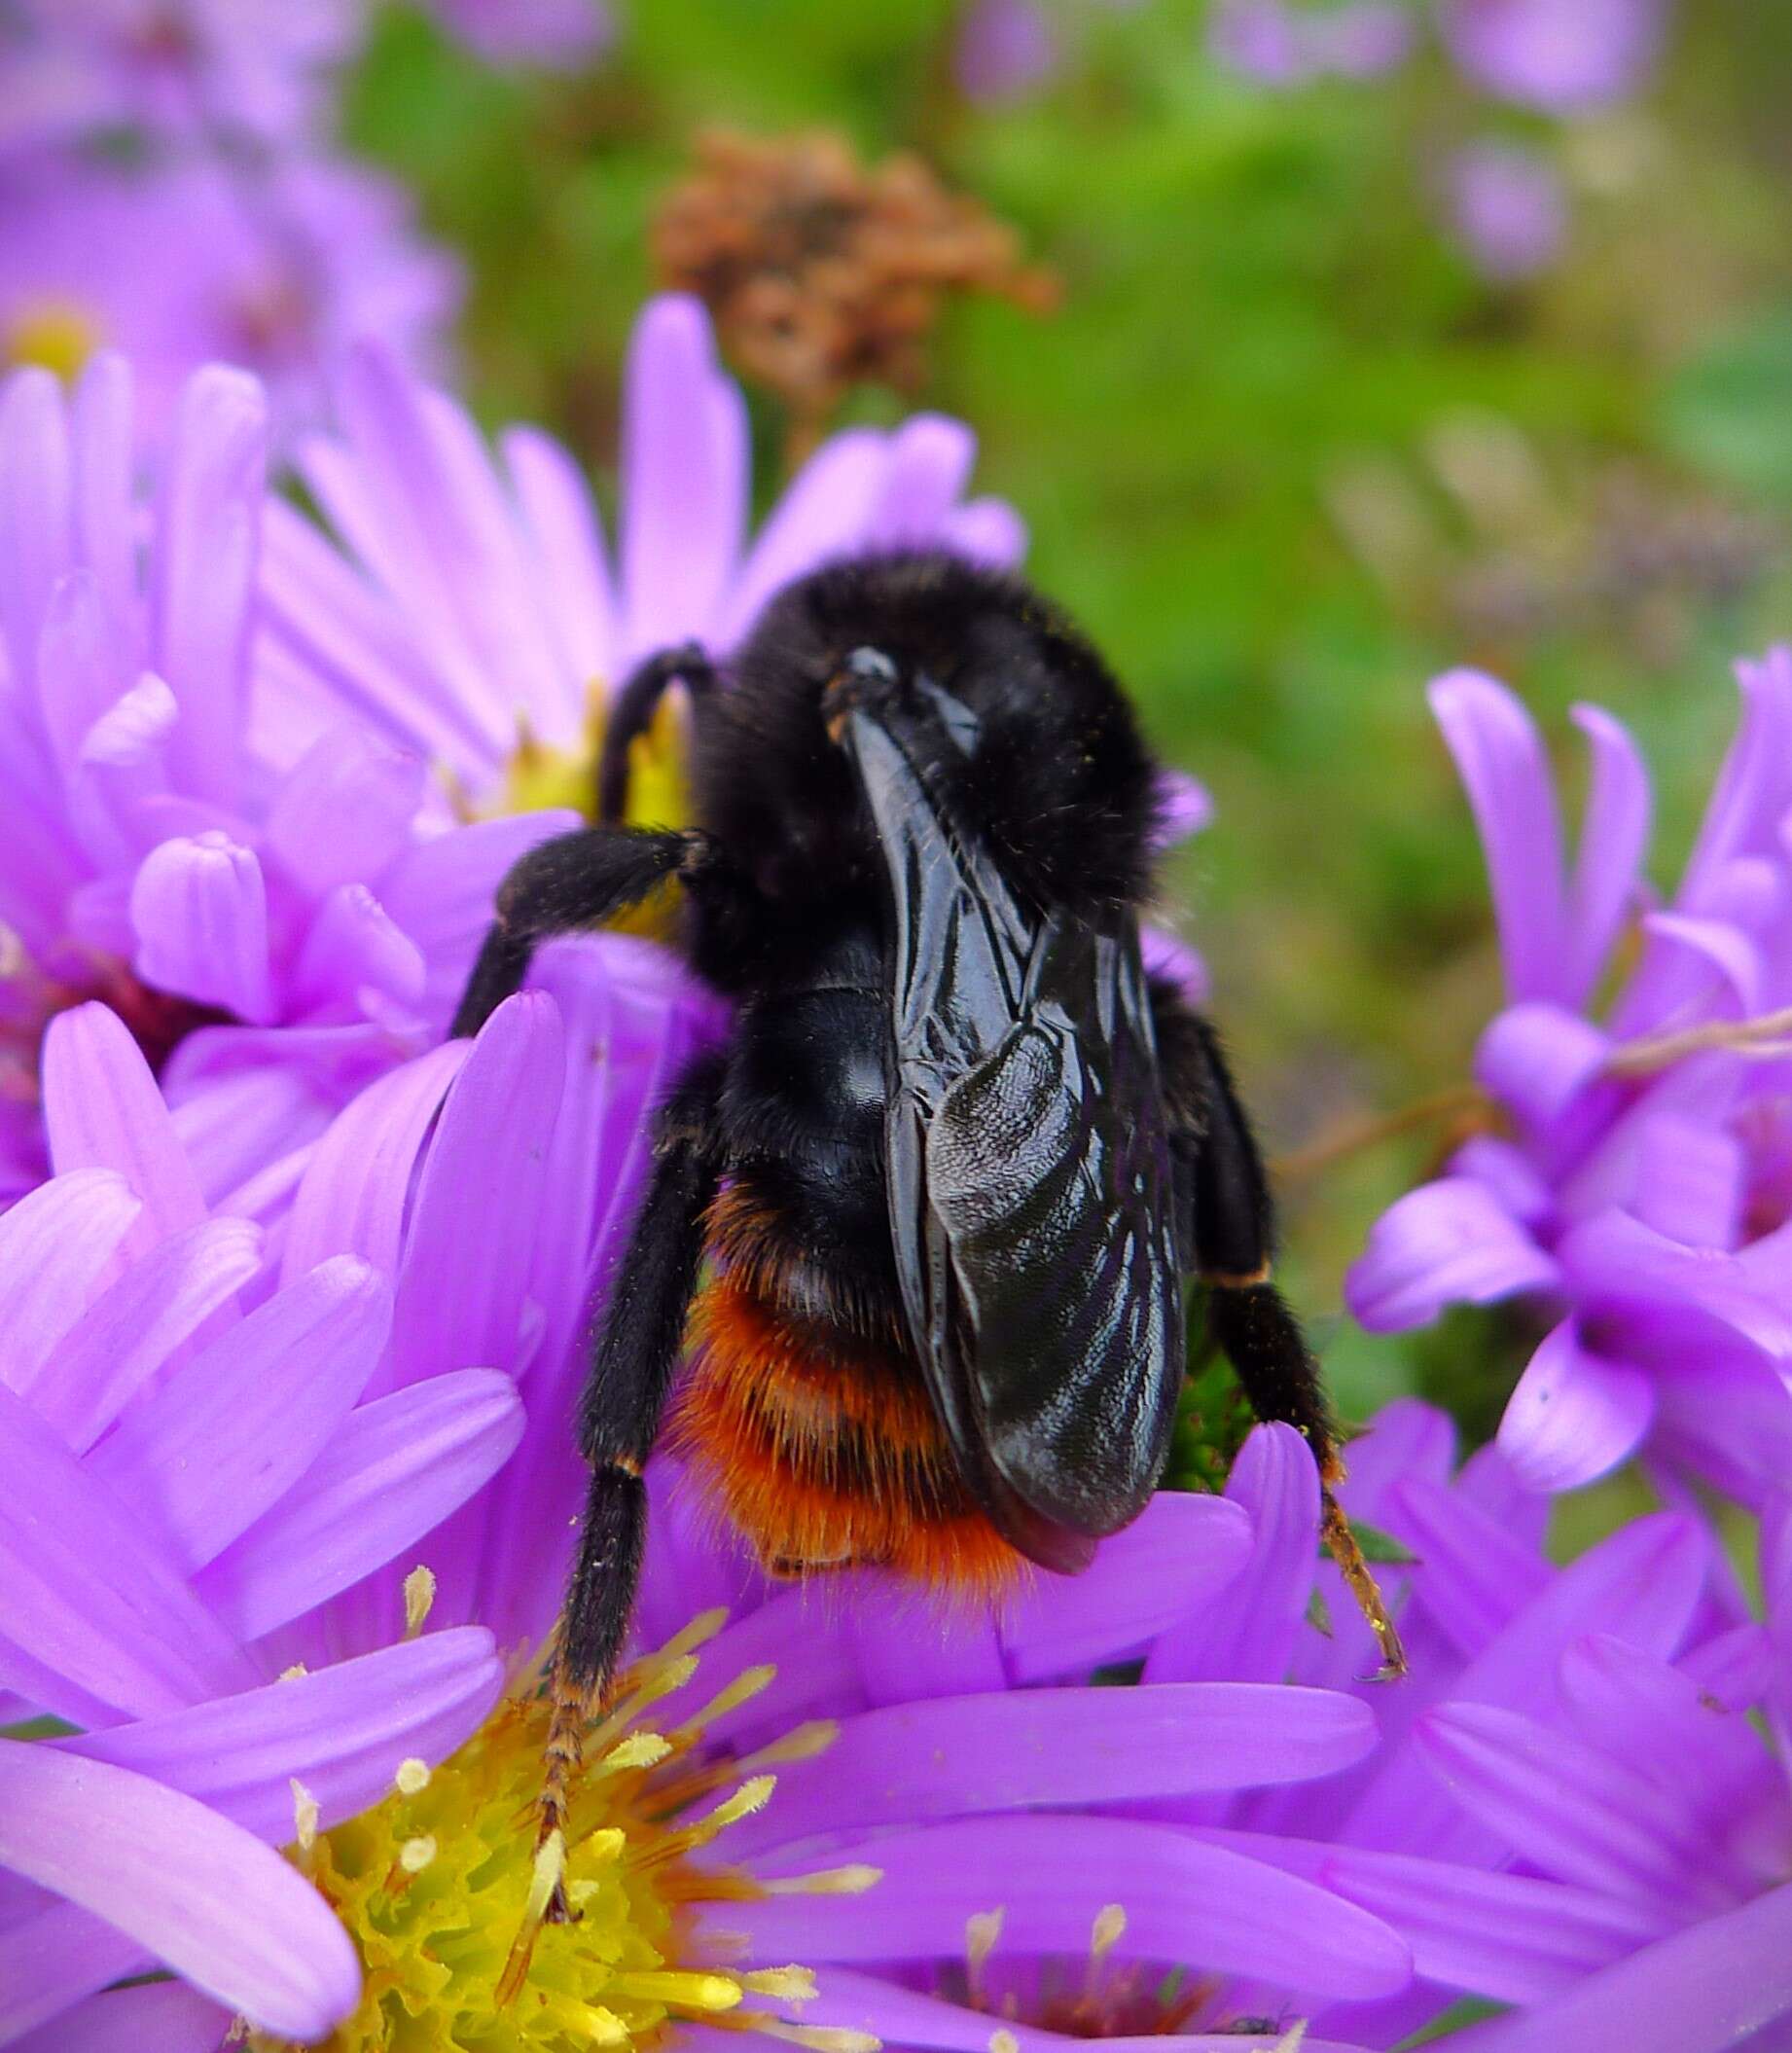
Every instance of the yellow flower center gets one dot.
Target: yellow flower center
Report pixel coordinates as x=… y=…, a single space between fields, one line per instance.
x=56 y=334
x=441 y=1889
x=540 y=776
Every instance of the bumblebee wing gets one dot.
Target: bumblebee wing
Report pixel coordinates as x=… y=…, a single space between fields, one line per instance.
x=1029 y=1183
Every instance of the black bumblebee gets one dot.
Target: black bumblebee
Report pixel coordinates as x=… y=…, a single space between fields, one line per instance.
x=925 y=1218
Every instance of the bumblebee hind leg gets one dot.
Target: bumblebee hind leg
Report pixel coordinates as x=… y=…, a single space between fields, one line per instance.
x=1226 y=1221
x=632 y=1365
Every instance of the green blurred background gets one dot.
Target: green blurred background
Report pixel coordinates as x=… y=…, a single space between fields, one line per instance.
x=1282 y=449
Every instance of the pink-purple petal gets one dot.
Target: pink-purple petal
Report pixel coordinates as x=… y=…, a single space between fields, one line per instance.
x=214 y=1904
x=56 y=1244
x=342 y=1731
x=103 y=1111
x=1446 y=1242
x=1614 y=838
x=155 y=2017
x=1018 y=1748
x=1575 y=1416
x=1500 y=758
x=228 y=1433
x=1051 y=1875
x=129 y=1332
x=199 y=909
x=96 y=1607
x=394 y=1469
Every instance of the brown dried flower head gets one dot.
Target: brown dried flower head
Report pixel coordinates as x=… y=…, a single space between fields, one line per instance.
x=822 y=272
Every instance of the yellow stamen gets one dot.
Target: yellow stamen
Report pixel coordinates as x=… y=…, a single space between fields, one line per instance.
x=1004 y=2042
x=304 y=1815
x=445 y=1897
x=802 y=1744
x=420 y=1600
x=982 y=1931
x=58 y=335
x=853 y=1880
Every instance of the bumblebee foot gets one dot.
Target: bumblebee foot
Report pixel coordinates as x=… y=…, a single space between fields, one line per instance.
x=1342 y=1545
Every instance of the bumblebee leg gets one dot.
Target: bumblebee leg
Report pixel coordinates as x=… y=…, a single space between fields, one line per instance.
x=631 y=1372
x=566 y=885
x=1223 y=1184
x=632 y=710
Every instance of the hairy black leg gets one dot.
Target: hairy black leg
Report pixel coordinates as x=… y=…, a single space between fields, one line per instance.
x=1225 y=1207
x=634 y=710
x=567 y=884
x=632 y=1365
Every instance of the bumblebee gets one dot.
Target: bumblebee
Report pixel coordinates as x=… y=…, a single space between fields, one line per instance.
x=925 y=1217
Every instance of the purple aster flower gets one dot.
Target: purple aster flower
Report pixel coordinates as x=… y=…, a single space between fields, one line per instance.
x=1522 y=1869
x=250 y=69
x=1280 y=45
x=182 y=263
x=1006 y=50
x=1634 y=1192
x=555 y=32
x=294 y=1409
x=201 y=1441
x=1507 y=207
x=473 y=604
x=172 y=842
x=1563 y=59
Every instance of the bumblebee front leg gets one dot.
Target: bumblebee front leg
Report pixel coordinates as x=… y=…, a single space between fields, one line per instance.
x=1228 y=1220
x=632 y=1365
x=568 y=885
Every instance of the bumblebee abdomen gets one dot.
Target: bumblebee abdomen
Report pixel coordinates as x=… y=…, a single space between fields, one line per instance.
x=815 y=1434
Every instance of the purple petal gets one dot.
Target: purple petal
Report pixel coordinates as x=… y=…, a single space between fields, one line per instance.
x=821 y=513
x=345 y=809
x=164 y=2016
x=106 y=526
x=56 y=1244
x=1248 y=1632
x=930 y=460
x=215 y=1905
x=684 y=467
x=572 y=580
x=94 y=1605
x=904 y=2017
x=154 y=1308
x=462 y=1287
x=207 y=538
x=225 y=1436
x=355 y=951
x=342 y=1731
x=393 y=1470
x=351 y=1199
x=35 y=505
x=1184 y=808
x=1537 y=1059
x=77 y=670
x=1702 y=1991
x=987 y=531
x=199 y=909
x=1691 y=1180
x=1058 y=1746
x=1500 y=758
x=1006 y=50
x=1507 y=1938
x=1445 y=1242
x=1749 y=798
x=1614 y=838
x=1572 y=1810
x=1575 y=1416
x=1173 y=1556
x=1051 y=1875
x=1479 y=1575
x=1559 y=60
x=54 y=1957
x=103 y=1111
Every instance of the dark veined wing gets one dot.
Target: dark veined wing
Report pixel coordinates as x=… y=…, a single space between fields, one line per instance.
x=1028 y=1173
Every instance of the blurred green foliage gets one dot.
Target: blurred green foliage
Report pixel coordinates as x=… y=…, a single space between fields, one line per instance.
x=1282 y=449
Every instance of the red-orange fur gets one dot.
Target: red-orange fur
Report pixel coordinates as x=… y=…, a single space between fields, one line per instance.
x=818 y=1440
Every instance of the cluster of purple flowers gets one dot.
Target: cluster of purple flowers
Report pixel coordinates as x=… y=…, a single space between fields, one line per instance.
x=1502 y=195
x=170 y=187
x=293 y=1295
x=1632 y=1191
